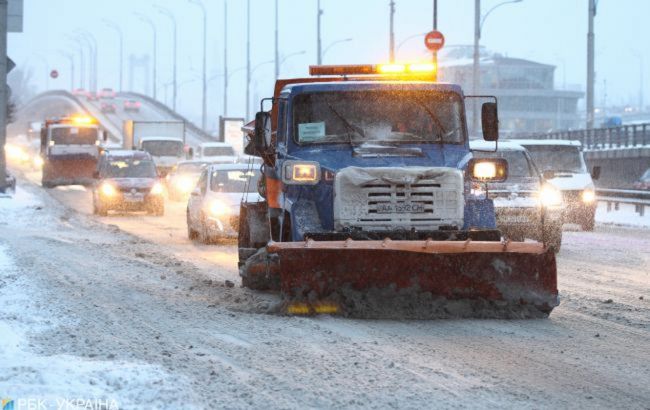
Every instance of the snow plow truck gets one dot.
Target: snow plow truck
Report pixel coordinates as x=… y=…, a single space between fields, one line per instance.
x=369 y=208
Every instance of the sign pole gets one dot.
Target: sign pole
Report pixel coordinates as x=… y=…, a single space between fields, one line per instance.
x=3 y=94
x=435 y=28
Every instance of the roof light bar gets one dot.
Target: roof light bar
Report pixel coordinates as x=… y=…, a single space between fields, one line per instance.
x=365 y=69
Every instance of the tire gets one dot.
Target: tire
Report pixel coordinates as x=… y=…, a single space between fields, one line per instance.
x=191 y=233
x=204 y=234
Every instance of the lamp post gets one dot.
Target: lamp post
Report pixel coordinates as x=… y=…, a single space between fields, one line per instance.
x=319 y=42
x=277 y=43
x=332 y=44
x=91 y=42
x=170 y=15
x=248 y=59
x=479 y=20
x=147 y=20
x=204 y=104
x=285 y=58
x=70 y=58
x=591 y=73
x=120 y=35
x=391 y=39
x=225 y=58
x=82 y=62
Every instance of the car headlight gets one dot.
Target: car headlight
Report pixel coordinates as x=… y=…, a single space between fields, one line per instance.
x=107 y=189
x=38 y=161
x=301 y=172
x=588 y=196
x=157 y=189
x=184 y=184
x=218 y=208
x=550 y=196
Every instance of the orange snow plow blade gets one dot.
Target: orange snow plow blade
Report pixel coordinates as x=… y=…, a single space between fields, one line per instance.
x=417 y=279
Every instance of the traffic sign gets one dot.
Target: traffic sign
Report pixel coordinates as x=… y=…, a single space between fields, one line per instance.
x=434 y=40
x=54 y=74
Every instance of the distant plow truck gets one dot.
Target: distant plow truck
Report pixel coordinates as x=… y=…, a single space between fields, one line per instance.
x=369 y=204
x=70 y=149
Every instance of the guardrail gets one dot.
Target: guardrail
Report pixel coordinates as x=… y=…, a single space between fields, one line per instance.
x=614 y=197
x=625 y=136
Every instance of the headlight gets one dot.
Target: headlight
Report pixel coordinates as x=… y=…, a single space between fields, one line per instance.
x=38 y=161
x=550 y=196
x=488 y=170
x=218 y=208
x=157 y=189
x=588 y=196
x=301 y=172
x=107 y=189
x=184 y=184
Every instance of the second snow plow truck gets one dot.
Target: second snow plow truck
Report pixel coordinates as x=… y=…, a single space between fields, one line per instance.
x=369 y=209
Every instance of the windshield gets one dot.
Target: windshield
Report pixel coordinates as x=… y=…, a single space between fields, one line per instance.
x=191 y=167
x=163 y=148
x=218 y=151
x=518 y=165
x=74 y=135
x=558 y=158
x=378 y=116
x=233 y=180
x=129 y=168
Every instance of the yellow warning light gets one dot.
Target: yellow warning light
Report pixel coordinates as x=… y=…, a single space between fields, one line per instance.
x=422 y=68
x=83 y=119
x=364 y=69
x=298 y=308
x=391 y=68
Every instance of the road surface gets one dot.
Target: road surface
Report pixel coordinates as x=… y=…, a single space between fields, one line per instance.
x=126 y=308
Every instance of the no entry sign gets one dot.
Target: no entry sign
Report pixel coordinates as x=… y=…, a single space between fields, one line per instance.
x=54 y=74
x=434 y=40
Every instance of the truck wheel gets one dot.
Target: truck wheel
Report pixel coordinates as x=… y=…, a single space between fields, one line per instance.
x=191 y=233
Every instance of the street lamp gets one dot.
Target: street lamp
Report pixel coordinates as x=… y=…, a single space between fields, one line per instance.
x=479 y=20
x=319 y=42
x=82 y=61
x=401 y=43
x=120 y=35
x=147 y=20
x=70 y=58
x=90 y=40
x=332 y=44
x=285 y=58
x=204 y=109
x=171 y=16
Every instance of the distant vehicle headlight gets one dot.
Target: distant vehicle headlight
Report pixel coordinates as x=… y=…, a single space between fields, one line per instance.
x=588 y=196
x=38 y=162
x=107 y=189
x=157 y=189
x=218 y=208
x=550 y=196
x=184 y=184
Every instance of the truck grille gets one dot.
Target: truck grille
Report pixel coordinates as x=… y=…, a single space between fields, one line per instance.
x=408 y=198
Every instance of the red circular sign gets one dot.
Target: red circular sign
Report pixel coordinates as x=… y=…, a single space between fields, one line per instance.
x=54 y=74
x=434 y=40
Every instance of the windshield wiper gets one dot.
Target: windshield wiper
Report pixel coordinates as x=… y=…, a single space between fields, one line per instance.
x=350 y=127
x=433 y=117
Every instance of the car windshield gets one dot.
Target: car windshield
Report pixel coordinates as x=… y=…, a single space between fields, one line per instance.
x=163 y=148
x=191 y=167
x=558 y=158
x=378 y=116
x=233 y=180
x=129 y=168
x=518 y=165
x=74 y=135
x=218 y=151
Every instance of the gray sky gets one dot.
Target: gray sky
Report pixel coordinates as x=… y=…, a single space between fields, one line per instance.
x=548 y=31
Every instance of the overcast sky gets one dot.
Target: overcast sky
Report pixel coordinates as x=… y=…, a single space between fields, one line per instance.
x=548 y=31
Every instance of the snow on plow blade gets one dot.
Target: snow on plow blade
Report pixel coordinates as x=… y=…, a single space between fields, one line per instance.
x=418 y=279
x=76 y=171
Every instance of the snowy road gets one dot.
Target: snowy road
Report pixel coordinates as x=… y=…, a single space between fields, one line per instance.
x=126 y=308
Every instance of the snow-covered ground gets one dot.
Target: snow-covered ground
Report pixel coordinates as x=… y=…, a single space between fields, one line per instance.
x=125 y=308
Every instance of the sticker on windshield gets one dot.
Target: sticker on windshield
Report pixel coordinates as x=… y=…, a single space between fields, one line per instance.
x=311 y=131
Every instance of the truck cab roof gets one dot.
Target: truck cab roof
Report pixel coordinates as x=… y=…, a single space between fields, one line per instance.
x=490 y=146
x=370 y=85
x=524 y=142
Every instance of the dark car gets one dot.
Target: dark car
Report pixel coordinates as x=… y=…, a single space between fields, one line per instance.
x=127 y=181
x=107 y=107
x=132 y=105
x=644 y=182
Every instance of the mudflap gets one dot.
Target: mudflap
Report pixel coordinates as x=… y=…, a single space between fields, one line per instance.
x=417 y=279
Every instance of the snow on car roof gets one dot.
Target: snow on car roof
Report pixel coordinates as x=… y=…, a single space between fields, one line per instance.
x=489 y=146
x=573 y=143
x=228 y=167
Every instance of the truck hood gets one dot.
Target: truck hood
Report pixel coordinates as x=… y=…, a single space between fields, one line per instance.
x=337 y=157
x=128 y=183
x=572 y=182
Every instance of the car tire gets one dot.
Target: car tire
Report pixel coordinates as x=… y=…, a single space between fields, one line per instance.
x=205 y=235
x=191 y=233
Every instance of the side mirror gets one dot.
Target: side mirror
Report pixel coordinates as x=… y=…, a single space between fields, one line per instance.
x=262 y=134
x=595 y=173
x=548 y=174
x=490 y=121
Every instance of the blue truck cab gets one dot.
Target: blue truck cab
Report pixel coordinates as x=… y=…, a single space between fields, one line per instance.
x=368 y=159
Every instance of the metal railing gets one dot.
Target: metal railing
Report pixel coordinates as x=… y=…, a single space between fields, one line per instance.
x=614 y=197
x=625 y=136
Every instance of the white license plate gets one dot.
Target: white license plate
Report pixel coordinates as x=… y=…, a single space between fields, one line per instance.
x=400 y=208
x=515 y=219
x=133 y=198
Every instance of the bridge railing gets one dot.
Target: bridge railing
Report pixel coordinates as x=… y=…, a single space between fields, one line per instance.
x=625 y=136
x=614 y=197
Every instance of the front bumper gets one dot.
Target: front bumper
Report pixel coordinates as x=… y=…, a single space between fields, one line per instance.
x=226 y=226
x=122 y=203
x=576 y=210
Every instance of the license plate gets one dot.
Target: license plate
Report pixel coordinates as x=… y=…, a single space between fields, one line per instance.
x=133 y=198
x=400 y=208
x=515 y=219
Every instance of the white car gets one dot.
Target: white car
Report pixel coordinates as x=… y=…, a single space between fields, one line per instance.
x=213 y=207
x=218 y=152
